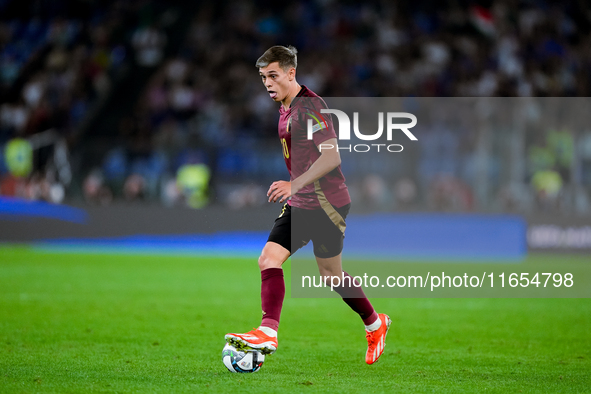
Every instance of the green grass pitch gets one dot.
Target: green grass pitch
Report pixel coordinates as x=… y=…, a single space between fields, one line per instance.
x=88 y=323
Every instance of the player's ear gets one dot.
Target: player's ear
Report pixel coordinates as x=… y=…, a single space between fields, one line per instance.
x=291 y=73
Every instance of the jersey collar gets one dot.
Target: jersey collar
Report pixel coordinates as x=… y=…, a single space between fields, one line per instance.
x=300 y=94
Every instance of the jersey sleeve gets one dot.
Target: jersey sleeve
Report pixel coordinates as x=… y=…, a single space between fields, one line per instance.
x=322 y=126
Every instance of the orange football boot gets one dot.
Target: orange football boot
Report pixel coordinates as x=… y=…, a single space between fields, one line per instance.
x=376 y=340
x=255 y=339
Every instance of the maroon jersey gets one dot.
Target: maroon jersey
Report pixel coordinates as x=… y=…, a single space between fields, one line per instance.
x=299 y=152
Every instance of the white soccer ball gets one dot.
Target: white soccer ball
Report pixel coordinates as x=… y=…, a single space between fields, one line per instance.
x=243 y=361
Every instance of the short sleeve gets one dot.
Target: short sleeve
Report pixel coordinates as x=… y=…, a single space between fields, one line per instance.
x=322 y=126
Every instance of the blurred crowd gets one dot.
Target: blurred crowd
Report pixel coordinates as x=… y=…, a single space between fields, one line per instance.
x=58 y=59
x=77 y=53
x=206 y=105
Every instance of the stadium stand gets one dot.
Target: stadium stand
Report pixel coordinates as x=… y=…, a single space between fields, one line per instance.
x=194 y=99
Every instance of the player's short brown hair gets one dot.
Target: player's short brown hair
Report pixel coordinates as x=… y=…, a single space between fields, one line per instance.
x=286 y=57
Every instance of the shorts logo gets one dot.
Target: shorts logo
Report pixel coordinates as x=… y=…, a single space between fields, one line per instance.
x=281 y=214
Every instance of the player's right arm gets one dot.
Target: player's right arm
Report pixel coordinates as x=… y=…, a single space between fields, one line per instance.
x=329 y=160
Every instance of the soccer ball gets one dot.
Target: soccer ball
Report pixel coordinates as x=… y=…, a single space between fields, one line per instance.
x=243 y=361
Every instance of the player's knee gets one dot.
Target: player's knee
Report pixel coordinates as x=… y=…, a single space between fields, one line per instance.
x=329 y=272
x=268 y=261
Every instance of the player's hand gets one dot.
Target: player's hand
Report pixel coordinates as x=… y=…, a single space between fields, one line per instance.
x=279 y=190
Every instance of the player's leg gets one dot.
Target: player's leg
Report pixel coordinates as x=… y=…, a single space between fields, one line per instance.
x=328 y=245
x=272 y=285
x=275 y=252
x=331 y=267
x=376 y=325
x=264 y=338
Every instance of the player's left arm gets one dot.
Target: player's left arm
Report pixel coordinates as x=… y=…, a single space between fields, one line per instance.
x=329 y=160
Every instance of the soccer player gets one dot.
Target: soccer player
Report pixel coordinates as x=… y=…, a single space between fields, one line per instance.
x=316 y=205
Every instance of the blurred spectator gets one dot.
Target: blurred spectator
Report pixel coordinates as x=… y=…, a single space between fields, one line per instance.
x=584 y=150
x=246 y=196
x=19 y=157
x=193 y=182
x=547 y=185
x=375 y=192
x=134 y=188
x=148 y=42
x=405 y=193
x=94 y=189
x=450 y=194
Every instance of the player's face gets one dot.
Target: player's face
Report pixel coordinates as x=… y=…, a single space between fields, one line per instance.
x=276 y=81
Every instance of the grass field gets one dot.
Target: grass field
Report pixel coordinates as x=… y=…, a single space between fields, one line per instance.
x=83 y=323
